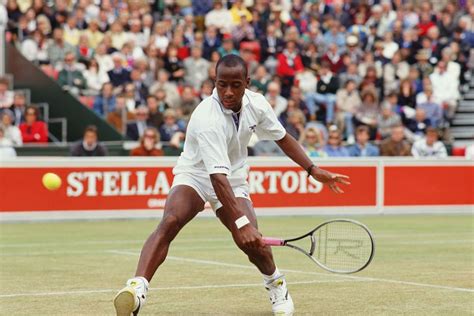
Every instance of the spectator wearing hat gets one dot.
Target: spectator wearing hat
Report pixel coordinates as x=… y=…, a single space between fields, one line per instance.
x=395 y=145
x=33 y=130
x=10 y=131
x=429 y=146
x=89 y=145
x=362 y=147
x=353 y=50
x=148 y=144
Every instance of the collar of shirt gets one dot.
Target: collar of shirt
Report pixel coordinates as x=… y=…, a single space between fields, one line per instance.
x=215 y=96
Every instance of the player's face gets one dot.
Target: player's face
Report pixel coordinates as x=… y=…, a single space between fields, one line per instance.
x=230 y=85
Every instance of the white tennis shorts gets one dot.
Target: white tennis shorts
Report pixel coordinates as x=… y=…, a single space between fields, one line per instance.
x=203 y=187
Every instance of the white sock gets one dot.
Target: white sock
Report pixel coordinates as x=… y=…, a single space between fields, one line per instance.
x=140 y=280
x=273 y=276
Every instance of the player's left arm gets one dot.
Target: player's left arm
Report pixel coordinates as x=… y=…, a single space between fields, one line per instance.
x=293 y=149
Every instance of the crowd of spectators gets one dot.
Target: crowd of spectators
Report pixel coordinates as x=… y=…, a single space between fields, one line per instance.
x=341 y=75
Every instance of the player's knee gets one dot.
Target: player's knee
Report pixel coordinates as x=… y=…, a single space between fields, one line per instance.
x=169 y=226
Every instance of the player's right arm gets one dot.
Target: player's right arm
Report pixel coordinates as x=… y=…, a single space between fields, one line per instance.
x=245 y=236
x=213 y=148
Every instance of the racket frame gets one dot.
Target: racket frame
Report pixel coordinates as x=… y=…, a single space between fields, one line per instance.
x=286 y=242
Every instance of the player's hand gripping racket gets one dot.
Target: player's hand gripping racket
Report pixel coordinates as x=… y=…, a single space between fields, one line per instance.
x=339 y=245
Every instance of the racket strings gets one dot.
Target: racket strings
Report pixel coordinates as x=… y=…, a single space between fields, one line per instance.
x=342 y=246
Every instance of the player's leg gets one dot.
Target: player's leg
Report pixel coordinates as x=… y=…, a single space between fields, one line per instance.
x=274 y=281
x=182 y=205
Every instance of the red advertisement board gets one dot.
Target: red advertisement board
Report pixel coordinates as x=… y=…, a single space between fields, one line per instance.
x=126 y=188
x=429 y=185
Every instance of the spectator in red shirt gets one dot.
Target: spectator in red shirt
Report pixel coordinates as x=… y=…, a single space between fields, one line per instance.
x=425 y=24
x=33 y=130
x=289 y=63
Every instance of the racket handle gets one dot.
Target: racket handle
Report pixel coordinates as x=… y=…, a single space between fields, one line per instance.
x=269 y=241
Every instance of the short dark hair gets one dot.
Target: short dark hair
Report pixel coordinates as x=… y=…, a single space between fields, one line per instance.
x=232 y=60
x=362 y=129
x=91 y=128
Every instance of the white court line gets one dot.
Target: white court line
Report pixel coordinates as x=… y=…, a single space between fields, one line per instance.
x=86 y=252
x=104 y=242
x=224 y=264
x=181 y=240
x=190 y=287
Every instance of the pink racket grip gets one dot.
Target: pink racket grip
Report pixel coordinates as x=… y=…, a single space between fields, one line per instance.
x=269 y=241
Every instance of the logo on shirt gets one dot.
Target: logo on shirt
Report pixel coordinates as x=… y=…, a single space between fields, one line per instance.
x=253 y=128
x=221 y=167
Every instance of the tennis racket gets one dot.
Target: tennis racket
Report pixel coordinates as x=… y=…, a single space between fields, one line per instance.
x=339 y=245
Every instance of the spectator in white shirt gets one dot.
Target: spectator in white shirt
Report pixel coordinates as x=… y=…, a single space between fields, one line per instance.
x=429 y=146
x=219 y=17
x=453 y=68
x=445 y=88
x=11 y=132
x=278 y=103
x=6 y=96
x=6 y=149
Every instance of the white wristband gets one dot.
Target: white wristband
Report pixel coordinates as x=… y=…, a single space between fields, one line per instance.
x=241 y=222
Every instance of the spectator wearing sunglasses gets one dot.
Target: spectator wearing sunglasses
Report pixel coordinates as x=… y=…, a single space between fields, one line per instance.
x=148 y=144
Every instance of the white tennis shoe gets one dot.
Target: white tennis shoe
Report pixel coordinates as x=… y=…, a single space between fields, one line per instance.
x=282 y=304
x=131 y=298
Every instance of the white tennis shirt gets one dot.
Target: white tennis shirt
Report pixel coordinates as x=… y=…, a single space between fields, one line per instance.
x=216 y=140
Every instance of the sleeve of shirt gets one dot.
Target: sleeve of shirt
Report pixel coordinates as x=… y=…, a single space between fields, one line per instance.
x=213 y=148
x=269 y=127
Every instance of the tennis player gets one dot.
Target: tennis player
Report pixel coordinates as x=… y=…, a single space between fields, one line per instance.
x=213 y=168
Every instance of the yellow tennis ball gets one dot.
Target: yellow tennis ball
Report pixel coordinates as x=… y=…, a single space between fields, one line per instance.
x=51 y=181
